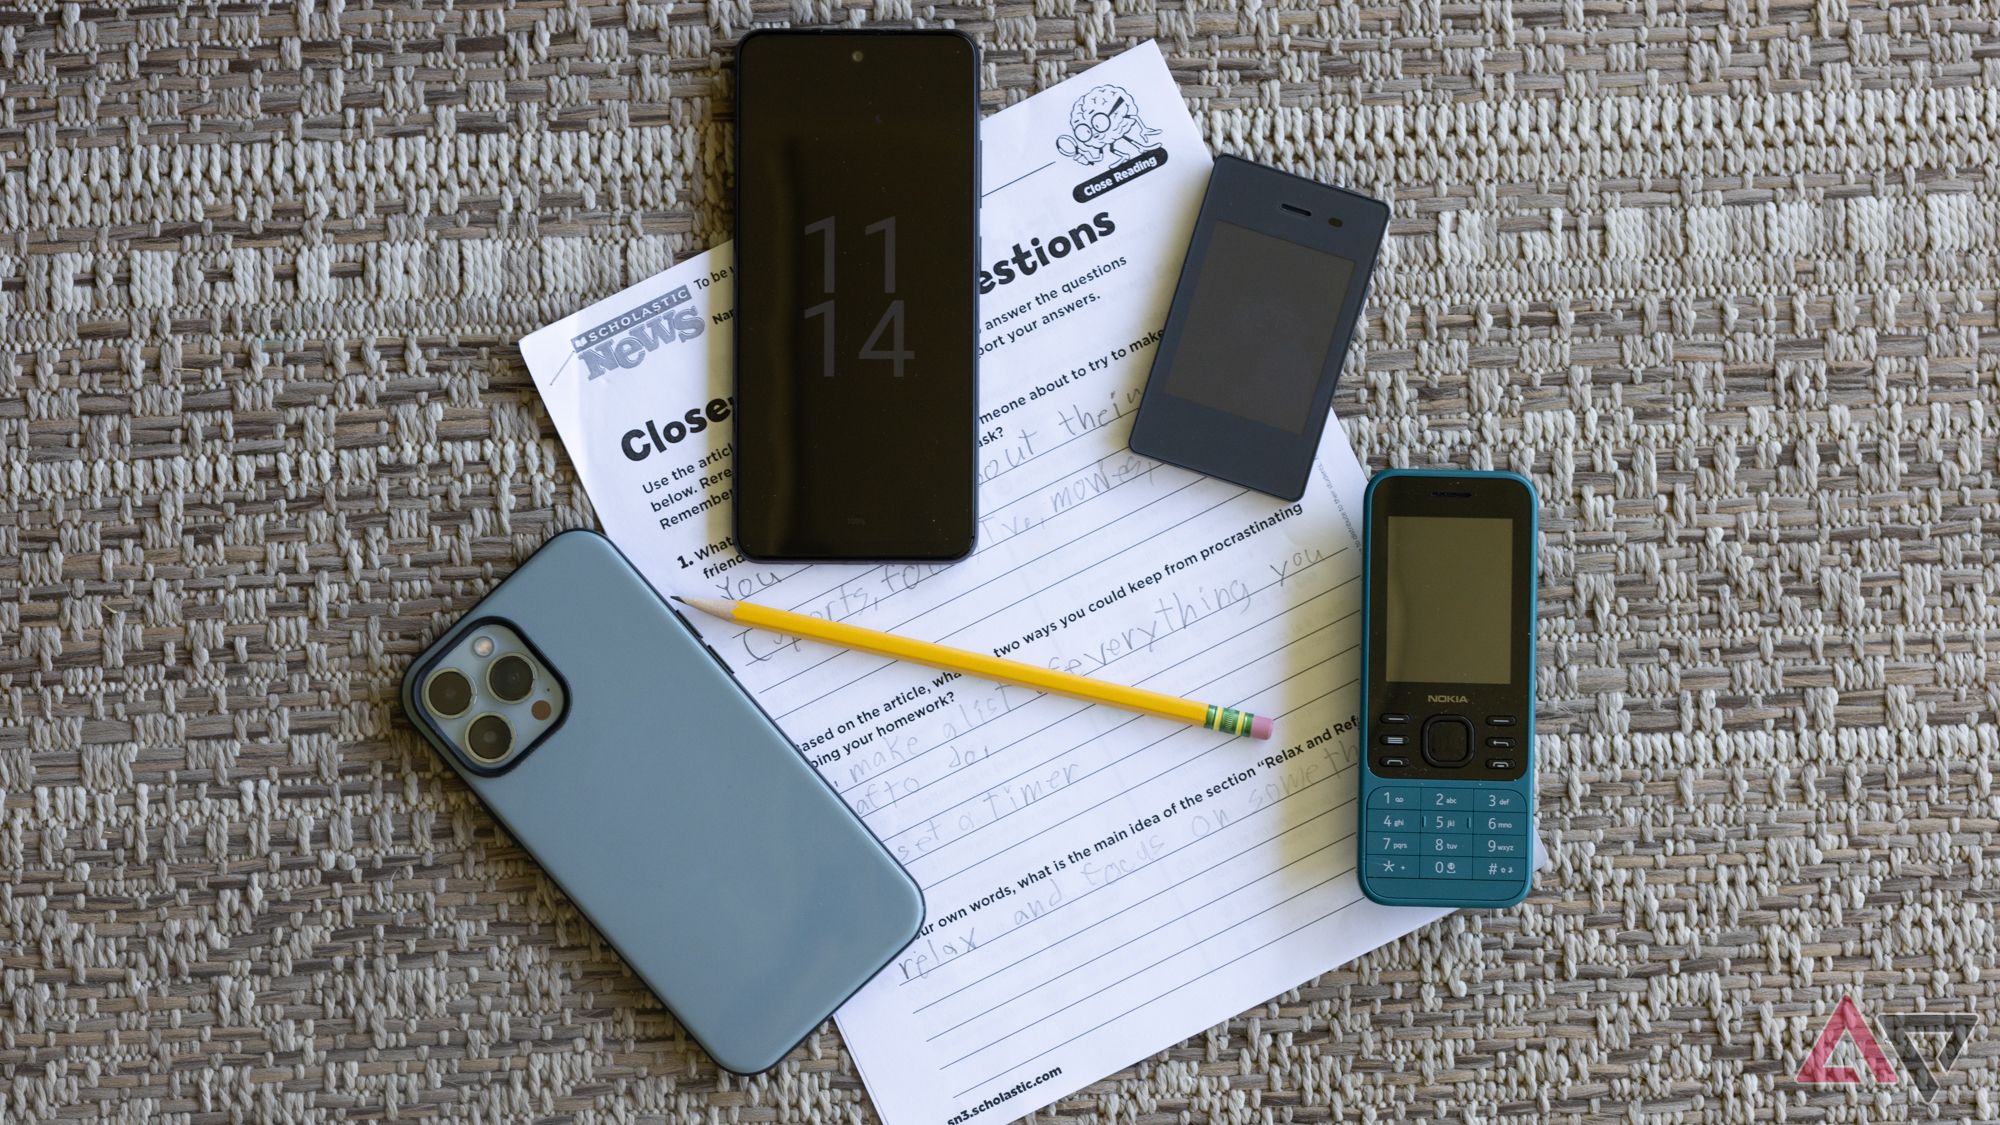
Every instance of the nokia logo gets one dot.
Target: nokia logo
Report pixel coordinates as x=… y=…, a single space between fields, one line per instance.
x=1447 y=699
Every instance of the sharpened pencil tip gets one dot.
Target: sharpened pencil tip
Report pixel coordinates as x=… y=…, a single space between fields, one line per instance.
x=714 y=607
x=677 y=598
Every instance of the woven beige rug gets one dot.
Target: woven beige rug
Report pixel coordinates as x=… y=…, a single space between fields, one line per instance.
x=1720 y=276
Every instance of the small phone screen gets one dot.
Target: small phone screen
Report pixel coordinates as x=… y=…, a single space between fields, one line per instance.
x=1450 y=600
x=856 y=294
x=1259 y=326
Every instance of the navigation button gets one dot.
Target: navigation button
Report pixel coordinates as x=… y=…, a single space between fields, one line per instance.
x=1395 y=740
x=1447 y=741
x=1393 y=763
x=1393 y=797
x=1500 y=743
x=1499 y=763
x=1499 y=720
x=1398 y=719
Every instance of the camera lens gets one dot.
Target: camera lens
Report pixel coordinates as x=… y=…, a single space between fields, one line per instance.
x=449 y=693
x=489 y=738
x=511 y=678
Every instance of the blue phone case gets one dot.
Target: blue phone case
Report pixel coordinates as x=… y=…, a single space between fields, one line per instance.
x=1420 y=810
x=678 y=818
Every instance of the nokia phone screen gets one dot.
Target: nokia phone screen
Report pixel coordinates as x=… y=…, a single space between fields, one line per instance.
x=1450 y=600
x=856 y=290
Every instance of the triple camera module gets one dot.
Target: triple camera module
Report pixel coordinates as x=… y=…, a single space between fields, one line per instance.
x=492 y=697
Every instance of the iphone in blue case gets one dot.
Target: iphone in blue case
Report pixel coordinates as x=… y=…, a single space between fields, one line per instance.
x=620 y=751
x=1448 y=688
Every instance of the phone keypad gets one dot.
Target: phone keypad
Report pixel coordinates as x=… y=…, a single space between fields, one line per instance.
x=1438 y=832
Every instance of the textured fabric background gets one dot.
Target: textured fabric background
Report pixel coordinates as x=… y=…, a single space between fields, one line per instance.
x=1721 y=276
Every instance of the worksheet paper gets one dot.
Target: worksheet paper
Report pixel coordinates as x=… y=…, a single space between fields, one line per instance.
x=1099 y=885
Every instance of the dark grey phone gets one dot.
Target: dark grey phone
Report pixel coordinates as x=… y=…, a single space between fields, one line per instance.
x=618 y=750
x=857 y=304
x=1267 y=301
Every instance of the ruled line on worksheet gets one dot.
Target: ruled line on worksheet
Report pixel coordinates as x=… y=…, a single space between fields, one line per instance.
x=1046 y=829
x=781 y=579
x=1245 y=631
x=1135 y=752
x=1156 y=999
x=1018 y=179
x=987 y=513
x=1093 y=565
x=893 y=767
x=1092 y=432
x=1149 y=897
x=1181 y=917
x=837 y=653
x=1133 y=719
x=1039 y=591
x=988 y=1045
x=984 y=789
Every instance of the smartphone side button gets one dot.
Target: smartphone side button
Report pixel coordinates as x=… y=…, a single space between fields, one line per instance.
x=718 y=659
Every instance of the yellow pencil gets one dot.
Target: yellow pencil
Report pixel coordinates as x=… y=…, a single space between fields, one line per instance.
x=1228 y=720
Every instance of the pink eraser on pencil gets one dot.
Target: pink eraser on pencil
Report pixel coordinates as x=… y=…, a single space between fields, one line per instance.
x=1260 y=727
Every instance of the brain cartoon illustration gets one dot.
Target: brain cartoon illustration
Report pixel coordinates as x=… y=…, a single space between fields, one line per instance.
x=1105 y=122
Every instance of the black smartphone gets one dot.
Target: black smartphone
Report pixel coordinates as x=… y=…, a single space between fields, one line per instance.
x=1267 y=301
x=857 y=227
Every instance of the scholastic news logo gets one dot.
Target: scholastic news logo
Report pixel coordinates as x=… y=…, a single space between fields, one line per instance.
x=625 y=340
x=1926 y=1046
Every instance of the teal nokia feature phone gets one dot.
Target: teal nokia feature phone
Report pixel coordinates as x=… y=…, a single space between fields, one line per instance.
x=1448 y=688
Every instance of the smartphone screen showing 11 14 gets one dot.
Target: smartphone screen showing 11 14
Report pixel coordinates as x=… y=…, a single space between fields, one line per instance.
x=857 y=302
